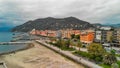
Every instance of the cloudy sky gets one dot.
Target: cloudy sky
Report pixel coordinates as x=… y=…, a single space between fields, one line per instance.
x=15 y=12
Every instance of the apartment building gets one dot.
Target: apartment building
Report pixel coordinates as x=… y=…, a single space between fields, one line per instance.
x=104 y=34
x=116 y=35
x=87 y=37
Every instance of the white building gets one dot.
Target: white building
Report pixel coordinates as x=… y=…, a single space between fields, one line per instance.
x=98 y=36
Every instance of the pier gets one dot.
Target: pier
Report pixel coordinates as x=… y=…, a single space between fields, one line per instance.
x=14 y=43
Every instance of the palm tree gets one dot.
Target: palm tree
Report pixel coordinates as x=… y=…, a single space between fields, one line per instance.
x=109 y=59
x=111 y=39
x=72 y=43
x=79 y=44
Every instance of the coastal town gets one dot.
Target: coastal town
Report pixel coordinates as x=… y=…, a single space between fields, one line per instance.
x=100 y=35
x=59 y=34
x=90 y=48
x=106 y=38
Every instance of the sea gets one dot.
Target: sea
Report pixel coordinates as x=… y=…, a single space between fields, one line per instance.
x=7 y=37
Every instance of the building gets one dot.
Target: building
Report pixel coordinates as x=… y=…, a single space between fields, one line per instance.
x=98 y=36
x=68 y=32
x=104 y=34
x=109 y=36
x=52 y=33
x=116 y=35
x=87 y=37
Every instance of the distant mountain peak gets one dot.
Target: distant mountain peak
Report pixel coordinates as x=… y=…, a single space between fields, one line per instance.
x=51 y=23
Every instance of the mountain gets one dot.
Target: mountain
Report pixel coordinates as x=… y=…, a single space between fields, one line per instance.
x=51 y=23
x=97 y=25
x=113 y=25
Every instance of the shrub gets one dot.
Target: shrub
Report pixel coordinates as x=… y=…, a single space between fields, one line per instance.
x=81 y=53
x=98 y=59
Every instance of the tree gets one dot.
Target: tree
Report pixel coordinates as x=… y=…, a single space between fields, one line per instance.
x=52 y=39
x=111 y=40
x=109 y=59
x=72 y=43
x=113 y=51
x=96 y=49
x=67 y=43
x=77 y=37
x=72 y=36
x=63 y=43
x=79 y=44
x=59 y=43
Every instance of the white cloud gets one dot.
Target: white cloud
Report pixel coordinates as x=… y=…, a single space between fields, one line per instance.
x=94 y=11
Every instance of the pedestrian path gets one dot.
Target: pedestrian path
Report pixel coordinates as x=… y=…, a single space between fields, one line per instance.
x=70 y=55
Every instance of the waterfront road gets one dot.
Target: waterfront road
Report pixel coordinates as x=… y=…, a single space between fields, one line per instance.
x=70 y=55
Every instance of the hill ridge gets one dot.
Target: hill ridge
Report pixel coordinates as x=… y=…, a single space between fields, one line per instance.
x=53 y=24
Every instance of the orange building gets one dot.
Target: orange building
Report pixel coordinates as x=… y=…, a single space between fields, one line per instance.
x=65 y=33
x=43 y=32
x=87 y=37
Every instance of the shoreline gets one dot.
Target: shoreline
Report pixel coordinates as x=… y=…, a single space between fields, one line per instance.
x=25 y=48
x=38 y=56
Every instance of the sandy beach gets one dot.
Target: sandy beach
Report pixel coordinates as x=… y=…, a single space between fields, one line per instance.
x=38 y=57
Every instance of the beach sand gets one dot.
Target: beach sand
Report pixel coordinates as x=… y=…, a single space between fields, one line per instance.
x=37 y=57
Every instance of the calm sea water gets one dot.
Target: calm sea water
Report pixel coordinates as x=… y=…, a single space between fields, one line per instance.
x=7 y=37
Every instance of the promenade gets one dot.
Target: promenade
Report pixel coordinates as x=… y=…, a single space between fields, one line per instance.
x=70 y=55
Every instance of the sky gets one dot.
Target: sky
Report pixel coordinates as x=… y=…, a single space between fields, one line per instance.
x=16 y=12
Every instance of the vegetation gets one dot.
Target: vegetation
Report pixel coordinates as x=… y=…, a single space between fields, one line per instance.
x=77 y=37
x=95 y=52
x=81 y=53
x=63 y=44
x=72 y=36
x=79 y=44
x=72 y=43
x=118 y=55
x=114 y=65
x=96 y=49
x=113 y=51
x=52 y=39
x=105 y=66
x=109 y=59
x=67 y=43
